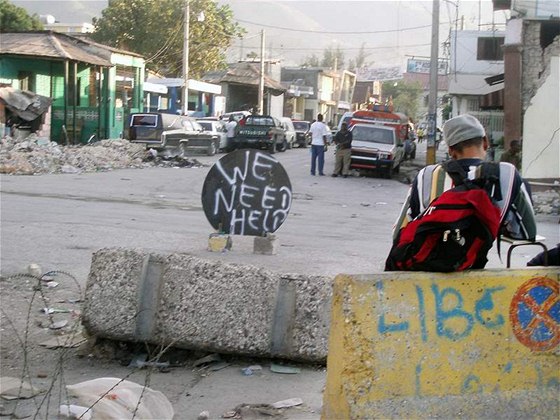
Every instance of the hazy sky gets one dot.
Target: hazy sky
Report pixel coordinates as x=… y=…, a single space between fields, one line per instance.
x=389 y=30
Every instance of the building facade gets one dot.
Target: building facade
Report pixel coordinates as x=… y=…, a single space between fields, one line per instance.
x=93 y=87
x=475 y=56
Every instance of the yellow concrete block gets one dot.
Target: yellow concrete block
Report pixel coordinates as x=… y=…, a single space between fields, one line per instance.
x=218 y=242
x=420 y=344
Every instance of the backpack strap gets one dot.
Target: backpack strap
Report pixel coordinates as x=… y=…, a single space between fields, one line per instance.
x=456 y=172
x=489 y=175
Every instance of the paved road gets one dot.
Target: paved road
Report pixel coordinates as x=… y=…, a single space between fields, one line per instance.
x=335 y=225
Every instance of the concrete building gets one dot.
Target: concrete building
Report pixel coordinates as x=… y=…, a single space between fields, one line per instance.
x=311 y=91
x=240 y=87
x=531 y=86
x=475 y=56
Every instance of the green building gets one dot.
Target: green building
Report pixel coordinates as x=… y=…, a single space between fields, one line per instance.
x=93 y=87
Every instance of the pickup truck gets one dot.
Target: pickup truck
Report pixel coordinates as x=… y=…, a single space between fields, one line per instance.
x=260 y=131
x=376 y=148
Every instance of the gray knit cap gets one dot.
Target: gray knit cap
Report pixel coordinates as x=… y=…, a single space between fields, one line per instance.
x=461 y=128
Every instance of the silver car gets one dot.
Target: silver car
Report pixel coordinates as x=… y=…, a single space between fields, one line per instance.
x=217 y=128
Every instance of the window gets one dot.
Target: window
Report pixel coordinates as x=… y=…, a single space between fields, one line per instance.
x=26 y=81
x=490 y=49
x=473 y=105
x=144 y=120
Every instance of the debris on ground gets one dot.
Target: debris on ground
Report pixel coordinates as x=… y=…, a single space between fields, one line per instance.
x=291 y=402
x=251 y=370
x=277 y=368
x=75 y=412
x=140 y=361
x=65 y=341
x=114 y=398
x=15 y=388
x=253 y=411
x=32 y=157
x=211 y=358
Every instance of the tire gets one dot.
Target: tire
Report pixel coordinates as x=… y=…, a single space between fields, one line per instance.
x=211 y=151
x=283 y=146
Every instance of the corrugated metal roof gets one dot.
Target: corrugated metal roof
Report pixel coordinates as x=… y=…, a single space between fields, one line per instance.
x=244 y=74
x=53 y=45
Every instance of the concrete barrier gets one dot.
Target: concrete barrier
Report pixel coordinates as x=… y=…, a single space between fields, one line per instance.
x=178 y=299
x=479 y=344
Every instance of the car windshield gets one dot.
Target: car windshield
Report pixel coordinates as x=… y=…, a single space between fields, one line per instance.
x=206 y=125
x=372 y=134
x=301 y=125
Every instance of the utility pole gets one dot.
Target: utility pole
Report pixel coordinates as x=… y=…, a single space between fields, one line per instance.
x=432 y=99
x=185 y=96
x=261 y=79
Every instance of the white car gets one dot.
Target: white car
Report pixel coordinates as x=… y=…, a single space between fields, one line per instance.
x=376 y=148
x=217 y=128
x=288 y=126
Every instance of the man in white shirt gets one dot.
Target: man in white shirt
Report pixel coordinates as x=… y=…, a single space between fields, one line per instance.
x=230 y=127
x=319 y=132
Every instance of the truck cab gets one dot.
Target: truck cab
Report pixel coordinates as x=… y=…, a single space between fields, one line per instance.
x=262 y=132
x=375 y=148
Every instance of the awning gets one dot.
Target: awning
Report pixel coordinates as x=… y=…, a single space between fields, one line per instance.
x=25 y=104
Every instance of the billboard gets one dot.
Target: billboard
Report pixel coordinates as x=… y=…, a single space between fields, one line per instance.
x=416 y=65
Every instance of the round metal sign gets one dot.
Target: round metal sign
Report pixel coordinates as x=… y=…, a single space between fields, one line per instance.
x=247 y=192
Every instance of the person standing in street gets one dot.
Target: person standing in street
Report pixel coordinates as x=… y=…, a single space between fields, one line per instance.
x=343 y=141
x=319 y=133
x=513 y=154
x=230 y=127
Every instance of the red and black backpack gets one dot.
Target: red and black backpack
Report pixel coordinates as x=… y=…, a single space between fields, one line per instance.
x=456 y=231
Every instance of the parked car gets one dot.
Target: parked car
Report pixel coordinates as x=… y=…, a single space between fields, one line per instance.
x=216 y=128
x=376 y=148
x=302 y=132
x=290 y=130
x=261 y=131
x=177 y=133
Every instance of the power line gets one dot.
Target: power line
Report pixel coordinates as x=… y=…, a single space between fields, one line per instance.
x=333 y=32
x=343 y=49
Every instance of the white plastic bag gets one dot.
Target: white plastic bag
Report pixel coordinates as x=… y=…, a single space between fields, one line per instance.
x=119 y=399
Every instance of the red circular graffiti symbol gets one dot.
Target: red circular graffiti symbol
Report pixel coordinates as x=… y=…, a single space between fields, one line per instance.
x=540 y=313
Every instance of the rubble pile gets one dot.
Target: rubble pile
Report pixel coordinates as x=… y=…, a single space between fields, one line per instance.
x=33 y=156
x=547 y=202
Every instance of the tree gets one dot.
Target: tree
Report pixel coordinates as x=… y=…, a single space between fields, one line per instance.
x=311 y=61
x=360 y=60
x=154 y=29
x=16 y=19
x=405 y=96
x=333 y=58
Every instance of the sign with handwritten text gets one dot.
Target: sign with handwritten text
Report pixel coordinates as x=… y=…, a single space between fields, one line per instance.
x=247 y=192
